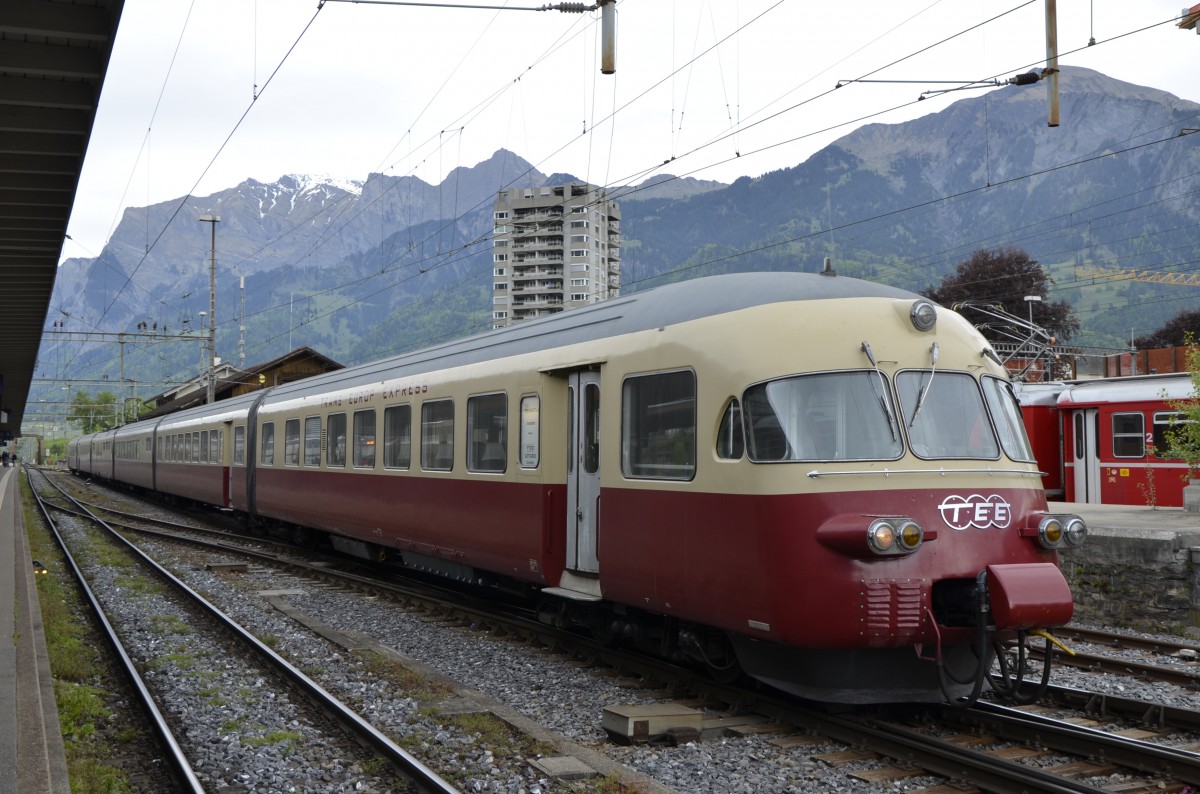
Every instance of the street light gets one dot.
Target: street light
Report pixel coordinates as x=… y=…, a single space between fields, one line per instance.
x=212 y=220
x=1030 y=300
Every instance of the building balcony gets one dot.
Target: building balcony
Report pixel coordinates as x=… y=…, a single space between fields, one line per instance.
x=534 y=303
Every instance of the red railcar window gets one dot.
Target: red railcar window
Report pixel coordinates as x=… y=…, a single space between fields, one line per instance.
x=1164 y=421
x=1129 y=435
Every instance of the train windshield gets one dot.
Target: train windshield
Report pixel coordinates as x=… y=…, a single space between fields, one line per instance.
x=952 y=422
x=828 y=416
x=1006 y=411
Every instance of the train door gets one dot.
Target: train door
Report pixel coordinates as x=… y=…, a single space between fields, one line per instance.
x=1085 y=427
x=583 y=471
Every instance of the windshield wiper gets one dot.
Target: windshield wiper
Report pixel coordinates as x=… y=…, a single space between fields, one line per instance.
x=933 y=357
x=887 y=406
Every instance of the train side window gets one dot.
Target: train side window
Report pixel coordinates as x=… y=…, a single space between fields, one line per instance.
x=437 y=435
x=487 y=433
x=204 y=446
x=312 y=441
x=731 y=440
x=1164 y=421
x=658 y=437
x=1129 y=435
x=239 y=445
x=335 y=455
x=531 y=419
x=1079 y=435
x=266 y=455
x=291 y=442
x=364 y=439
x=196 y=447
x=397 y=437
x=214 y=446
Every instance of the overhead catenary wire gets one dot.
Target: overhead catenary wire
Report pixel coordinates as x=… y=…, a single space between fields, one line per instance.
x=617 y=109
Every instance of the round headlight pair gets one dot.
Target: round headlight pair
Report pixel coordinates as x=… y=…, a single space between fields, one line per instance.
x=894 y=535
x=1055 y=532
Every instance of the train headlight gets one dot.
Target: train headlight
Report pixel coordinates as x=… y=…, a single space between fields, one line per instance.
x=923 y=315
x=881 y=535
x=1050 y=532
x=891 y=536
x=910 y=536
x=1075 y=532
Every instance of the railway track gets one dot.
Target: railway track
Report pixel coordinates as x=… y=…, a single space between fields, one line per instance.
x=987 y=748
x=199 y=643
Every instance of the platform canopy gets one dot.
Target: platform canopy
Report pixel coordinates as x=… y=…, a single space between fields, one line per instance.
x=53 y=58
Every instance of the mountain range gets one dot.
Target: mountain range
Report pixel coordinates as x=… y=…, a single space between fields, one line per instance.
x=359 y=270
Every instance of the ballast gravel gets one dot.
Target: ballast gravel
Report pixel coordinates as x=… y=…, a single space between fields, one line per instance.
x=239 y=730
x=548 y=689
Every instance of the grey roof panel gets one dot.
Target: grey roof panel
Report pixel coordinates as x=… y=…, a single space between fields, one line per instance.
x=667 y=305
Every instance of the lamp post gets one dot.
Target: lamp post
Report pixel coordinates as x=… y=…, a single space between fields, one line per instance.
x=1029 y=301
x=212 y=220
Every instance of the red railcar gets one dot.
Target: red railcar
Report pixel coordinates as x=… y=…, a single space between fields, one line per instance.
x=1113 y=438
x=1103 y=440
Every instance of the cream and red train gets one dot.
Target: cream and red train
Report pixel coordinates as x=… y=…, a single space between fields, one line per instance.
x=821 y=479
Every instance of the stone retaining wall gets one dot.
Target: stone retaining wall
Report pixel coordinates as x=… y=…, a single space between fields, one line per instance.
x=1144 y=581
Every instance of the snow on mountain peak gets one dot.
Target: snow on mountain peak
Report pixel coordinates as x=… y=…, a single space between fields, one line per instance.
x=304 y=183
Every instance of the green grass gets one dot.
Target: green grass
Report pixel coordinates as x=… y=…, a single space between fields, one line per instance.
x=273 y=738
x=76 y=665
x=411 y=683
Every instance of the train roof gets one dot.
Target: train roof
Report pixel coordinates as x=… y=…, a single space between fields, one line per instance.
x=1038 y=393
x=670 y=304
x=1143 y=388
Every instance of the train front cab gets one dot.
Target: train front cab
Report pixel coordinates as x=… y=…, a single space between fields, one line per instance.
x=744 y=523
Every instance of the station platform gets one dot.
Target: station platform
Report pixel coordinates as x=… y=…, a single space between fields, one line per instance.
x=31 y=747
x=1139 y=569
x=1135 y=521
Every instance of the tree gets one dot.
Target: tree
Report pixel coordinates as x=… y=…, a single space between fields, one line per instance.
x=1183 y=433
x=1004 y=277
x=1174 y=332
x=93 y=413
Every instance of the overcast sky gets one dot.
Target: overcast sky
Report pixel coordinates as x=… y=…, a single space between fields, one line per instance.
x=721 y=88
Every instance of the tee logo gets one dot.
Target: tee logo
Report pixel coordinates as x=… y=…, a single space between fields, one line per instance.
x=977 y=511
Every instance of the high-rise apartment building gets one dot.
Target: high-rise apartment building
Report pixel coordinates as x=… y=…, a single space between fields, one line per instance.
x=555 y=248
